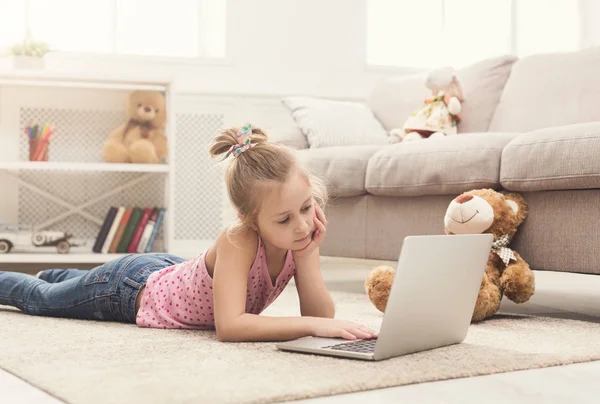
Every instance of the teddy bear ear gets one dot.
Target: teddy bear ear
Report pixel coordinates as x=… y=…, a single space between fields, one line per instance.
x=517 y=204
x=513 y=205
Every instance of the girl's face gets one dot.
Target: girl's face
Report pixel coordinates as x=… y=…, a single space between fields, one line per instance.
x=286 y=216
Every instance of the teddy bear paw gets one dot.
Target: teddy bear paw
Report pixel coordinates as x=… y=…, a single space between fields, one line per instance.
x=116 y=153
x=143 y=152
x=378 y=285
x=518 y=283
x=487 y=305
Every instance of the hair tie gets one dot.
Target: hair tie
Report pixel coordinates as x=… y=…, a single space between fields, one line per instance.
x=244 y=138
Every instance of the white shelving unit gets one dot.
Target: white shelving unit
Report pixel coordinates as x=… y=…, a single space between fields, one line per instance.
x=50 y=166
x=68 y=98
x=51 y=258
x=43 y=78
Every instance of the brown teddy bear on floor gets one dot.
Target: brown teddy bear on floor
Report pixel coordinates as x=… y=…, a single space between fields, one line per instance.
x=474 y=212
x=141 y=139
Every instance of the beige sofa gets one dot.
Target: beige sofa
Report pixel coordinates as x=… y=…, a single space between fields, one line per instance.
x=530 y=125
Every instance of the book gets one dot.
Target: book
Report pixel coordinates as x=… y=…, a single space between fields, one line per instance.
x=120 y=230
x=147 y=231
x=123 y=245
x=104 y=229
x=159 y=219
x=113 y=229
x=137 y=234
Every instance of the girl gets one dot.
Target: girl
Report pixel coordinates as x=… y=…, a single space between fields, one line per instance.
x=281 y=226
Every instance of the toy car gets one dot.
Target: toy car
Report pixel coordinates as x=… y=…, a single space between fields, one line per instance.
x=18 y=235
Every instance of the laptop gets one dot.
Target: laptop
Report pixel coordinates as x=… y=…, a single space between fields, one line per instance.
x=430 y=304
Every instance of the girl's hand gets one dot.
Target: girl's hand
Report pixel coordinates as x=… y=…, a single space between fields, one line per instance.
x=332 y=328
x=318 y=235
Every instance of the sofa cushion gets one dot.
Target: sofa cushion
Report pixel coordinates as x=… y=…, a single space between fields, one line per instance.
x=550 y=90
x=342 y=168
x=444 y=166
x=331 y=123
x=557 y=158
x=393 y=100
x=280 y=127
x=289 y=135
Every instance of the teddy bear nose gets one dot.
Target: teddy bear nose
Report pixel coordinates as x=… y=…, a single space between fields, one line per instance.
x=463 y=198
x=146 y=109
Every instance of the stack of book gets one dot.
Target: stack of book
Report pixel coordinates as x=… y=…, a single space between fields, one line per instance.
x=128 y=230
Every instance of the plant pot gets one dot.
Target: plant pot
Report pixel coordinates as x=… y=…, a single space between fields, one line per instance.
x=27 y=62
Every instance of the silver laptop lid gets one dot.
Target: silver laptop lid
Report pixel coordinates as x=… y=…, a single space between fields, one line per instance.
x=434 y=293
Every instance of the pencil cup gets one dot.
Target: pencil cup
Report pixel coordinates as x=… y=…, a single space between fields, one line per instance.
x=38 y=150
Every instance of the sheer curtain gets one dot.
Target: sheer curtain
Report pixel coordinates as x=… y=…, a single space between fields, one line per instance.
x=168 y=28
x=428 y=33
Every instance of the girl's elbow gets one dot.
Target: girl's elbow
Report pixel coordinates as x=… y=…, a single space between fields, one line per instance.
x=225 y=333
x=227 y=336
x=222 y=335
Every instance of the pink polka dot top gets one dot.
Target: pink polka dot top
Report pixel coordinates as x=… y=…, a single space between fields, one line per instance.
x=181 y=296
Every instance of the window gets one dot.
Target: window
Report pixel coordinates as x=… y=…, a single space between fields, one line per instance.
x=429 y=33
x=165 y=28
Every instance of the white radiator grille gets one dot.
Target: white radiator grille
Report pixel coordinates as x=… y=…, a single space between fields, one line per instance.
x=198 y=182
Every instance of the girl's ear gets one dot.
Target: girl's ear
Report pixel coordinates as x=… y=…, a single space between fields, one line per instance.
x=252 y=224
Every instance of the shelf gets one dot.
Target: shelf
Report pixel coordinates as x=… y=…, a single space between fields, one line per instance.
x=80 y=189
x=80 y=80
x=57 y=166
x=50 y=258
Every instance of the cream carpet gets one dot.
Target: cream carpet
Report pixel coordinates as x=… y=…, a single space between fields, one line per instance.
x=95 y=362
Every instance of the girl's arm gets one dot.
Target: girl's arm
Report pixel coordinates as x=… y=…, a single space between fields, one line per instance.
x=314 y=297
x=315 y=300
x=232 y=323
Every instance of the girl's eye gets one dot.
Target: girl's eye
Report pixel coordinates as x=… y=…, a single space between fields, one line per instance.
x=307 y=208
x=284 y=221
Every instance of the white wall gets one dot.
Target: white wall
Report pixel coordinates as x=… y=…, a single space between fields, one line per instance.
x=590 y=26
x=313 y=47
x=279 y=47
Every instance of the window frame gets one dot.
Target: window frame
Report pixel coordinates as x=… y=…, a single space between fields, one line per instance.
x=113 y=56
x=513 y=47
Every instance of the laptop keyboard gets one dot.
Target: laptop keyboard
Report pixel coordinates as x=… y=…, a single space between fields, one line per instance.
x=362 y=346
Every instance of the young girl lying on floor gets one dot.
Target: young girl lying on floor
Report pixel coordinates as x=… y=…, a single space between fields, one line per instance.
x=281 y=226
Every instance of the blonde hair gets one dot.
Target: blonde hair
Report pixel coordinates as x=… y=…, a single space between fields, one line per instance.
x=248 y=169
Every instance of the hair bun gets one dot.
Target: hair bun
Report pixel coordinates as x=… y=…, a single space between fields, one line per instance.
x=228 y=137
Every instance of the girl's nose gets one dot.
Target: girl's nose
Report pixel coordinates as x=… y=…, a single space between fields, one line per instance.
x=302 y=227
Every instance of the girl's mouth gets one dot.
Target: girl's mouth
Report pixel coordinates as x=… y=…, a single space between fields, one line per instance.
x=303 y=239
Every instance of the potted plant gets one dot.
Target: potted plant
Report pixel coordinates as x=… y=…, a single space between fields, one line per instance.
x=29 y=54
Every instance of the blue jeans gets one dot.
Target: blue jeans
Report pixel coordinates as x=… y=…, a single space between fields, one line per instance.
x=107 y=292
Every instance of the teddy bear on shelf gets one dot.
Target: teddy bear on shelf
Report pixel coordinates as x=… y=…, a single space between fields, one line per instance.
x=440 y=113
x=142 y=139
x=506 y=274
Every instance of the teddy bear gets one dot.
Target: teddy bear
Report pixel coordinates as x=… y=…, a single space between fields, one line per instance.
x=142 y=139
x=506 y=274
x=439 y=115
